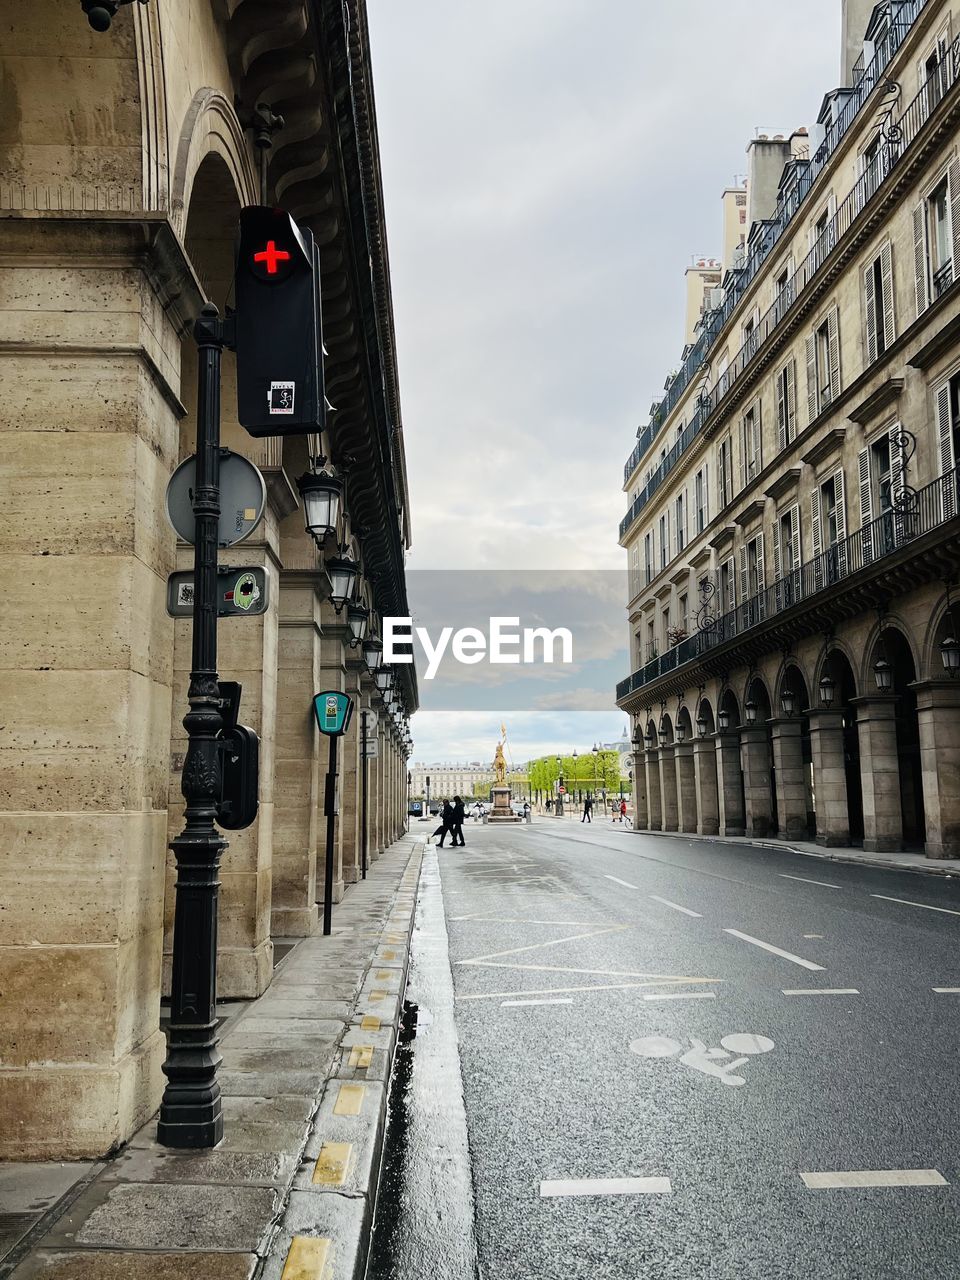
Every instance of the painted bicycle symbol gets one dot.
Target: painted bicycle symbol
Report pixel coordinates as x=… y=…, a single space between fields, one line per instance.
x=723 y=1063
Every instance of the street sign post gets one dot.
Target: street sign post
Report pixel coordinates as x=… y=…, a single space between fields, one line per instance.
x=243 y=498
x=333 y=711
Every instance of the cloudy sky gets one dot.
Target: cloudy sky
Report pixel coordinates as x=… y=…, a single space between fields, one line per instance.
x=550 y=168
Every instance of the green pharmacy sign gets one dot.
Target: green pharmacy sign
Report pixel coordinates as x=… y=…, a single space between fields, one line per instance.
x=333 y=711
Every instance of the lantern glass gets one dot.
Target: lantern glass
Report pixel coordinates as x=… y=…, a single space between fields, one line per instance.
x=723 y=720
x=681 y=733
x=950 y=655
x=788 y=701
x=828 y=690
x=321 y=496
x=343 y=575
x=637 y=737
x=358 y=618
x=883 y=674
x=648 y=741
x=662 y=735
x=750 y=711
x=702 y=726
x=384 y=679
x=372 y=653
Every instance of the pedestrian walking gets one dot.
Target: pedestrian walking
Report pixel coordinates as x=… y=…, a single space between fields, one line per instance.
x=587 y=809
x=446 y=823
x=456 y=821
x=549 y=804
x=623 y=811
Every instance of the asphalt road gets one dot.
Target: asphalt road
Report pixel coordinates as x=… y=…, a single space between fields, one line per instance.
x=616 y=1130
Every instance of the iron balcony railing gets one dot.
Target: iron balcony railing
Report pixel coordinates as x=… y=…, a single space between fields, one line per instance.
x=903 y=16
x=918 y=513
x=896 y=138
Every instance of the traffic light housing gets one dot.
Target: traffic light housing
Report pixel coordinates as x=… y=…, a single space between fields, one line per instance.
x=278 y=327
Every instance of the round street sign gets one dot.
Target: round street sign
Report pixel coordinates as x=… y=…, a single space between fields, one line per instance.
x=243 y=497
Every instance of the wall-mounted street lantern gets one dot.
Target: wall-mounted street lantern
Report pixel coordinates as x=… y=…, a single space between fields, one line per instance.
x=372 y=653
x=358 y=619
x=322 y=494
x=100 y=13
x=681 y=732
x=384 y=679
x=950 y=655
x=701 y=725
x=723 y=720
x=883 y=674
x=788 y=701
x=343 y=574
x=637 y=737
x=662 y=732
x=750 y=712
x=648 y=741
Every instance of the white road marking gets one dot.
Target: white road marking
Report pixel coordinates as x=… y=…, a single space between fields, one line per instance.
x=613 y=986
x=825 y=991
x=784 y=955
x=526 y=1004
x=947 y=991
x=626 y=883
x=686 y=995
x=875 y=1178
x=903 y=902
x=606 y=1187
x=823 y=883
x=676 y=906
x=551 y=942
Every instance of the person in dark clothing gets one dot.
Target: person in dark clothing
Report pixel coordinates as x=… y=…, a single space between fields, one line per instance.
x=587 y=809
x=446 y=823
x=456 y=827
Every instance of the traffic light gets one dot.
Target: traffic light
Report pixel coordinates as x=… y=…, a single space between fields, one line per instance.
x=278 y=331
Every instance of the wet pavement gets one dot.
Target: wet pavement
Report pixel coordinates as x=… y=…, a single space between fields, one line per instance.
x=683 y=1060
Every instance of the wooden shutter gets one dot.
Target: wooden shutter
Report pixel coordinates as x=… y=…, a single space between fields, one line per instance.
x=954 y=180
x=791 y=400
x=841 y=497
x=758 y=437
x=888 y=319
x=870 y=295
x=783 y=412
x=920 y=257
x=817 y=527
x=866 y=505
x=732 y=579
x=761 y=575
x=777 y=554
x=706 y=494
x=744 y=451
x=833 y=343
x=947 y=460
x=744 y=581
x=813 y=399
x=720 y=471
x=795 y=535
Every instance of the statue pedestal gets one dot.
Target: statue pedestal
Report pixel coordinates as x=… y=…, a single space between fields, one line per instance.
x=502 y=812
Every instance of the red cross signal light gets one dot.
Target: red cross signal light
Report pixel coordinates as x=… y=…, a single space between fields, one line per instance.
x=271 y=255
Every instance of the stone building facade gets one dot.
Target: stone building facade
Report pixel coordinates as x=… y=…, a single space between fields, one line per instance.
x=125 y=157
x=449 y=779
x=793 y=552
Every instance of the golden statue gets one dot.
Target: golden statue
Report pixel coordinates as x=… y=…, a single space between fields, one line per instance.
x=500 y=766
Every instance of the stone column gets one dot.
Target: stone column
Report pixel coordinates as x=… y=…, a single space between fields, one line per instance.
x=705 y=781
x=654 y=792
x=686 y=787
x=829 y=778
x=668 y=789
x=880 y=773
x=938 y=711
x=297 y=754
x=755 y=761
x=92 y=318
x=641 y=812
x=790 y=782
x=730 y=788
x=350 y=772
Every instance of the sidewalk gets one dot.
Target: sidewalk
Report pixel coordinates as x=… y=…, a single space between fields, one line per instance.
x=291 y=1188
x=890 y=861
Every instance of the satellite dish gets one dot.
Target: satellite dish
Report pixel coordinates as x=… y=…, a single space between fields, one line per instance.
x=243 y=498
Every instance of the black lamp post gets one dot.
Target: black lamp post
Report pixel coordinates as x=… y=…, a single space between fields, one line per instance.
x=559 y=787
x=190 y=1112
x=576 y=776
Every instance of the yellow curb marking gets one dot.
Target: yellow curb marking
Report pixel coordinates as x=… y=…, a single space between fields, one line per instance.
x=376 y=996
x=331 y=1167
x=369 y=1023
x=361 y=1055
x=307 y=1258
x=384 y=976
x=349 y=1100
x=389 y=955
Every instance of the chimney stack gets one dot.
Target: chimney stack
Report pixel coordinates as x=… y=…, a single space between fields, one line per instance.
x=856 y=15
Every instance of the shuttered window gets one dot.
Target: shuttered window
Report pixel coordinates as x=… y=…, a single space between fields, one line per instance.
x=879 y=304
x=786 y=386
x=823 y=364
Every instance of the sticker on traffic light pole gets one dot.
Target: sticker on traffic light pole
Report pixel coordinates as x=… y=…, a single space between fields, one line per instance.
x=333 y=710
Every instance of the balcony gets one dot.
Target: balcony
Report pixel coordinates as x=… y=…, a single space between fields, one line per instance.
x=865 y=80
x=856 y=562
x=886 y=160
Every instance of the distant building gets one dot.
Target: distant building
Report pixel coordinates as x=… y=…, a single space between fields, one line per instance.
x=448 y=779
x=702 y=283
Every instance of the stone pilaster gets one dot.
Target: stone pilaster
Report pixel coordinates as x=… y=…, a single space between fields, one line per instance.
x=730 y=785
x=350 y=773
x=670 y=817
x=829 y=778
x=654 y=789
x=705 y=781
x=938 y=711
x=788 y=774
x=880 y=773
x=755 y=762
x=641 y=811
x=686 y=787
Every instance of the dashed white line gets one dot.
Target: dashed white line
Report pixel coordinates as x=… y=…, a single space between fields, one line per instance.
x=803 y=879
x=526 y=1004
x=626 y=883
x=825 y=991
x=784 y=955
x=676 y=907
x=905 y=903
x=875 y=1178
x=686 y=995
x=606 y=1187
x=947 y=991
